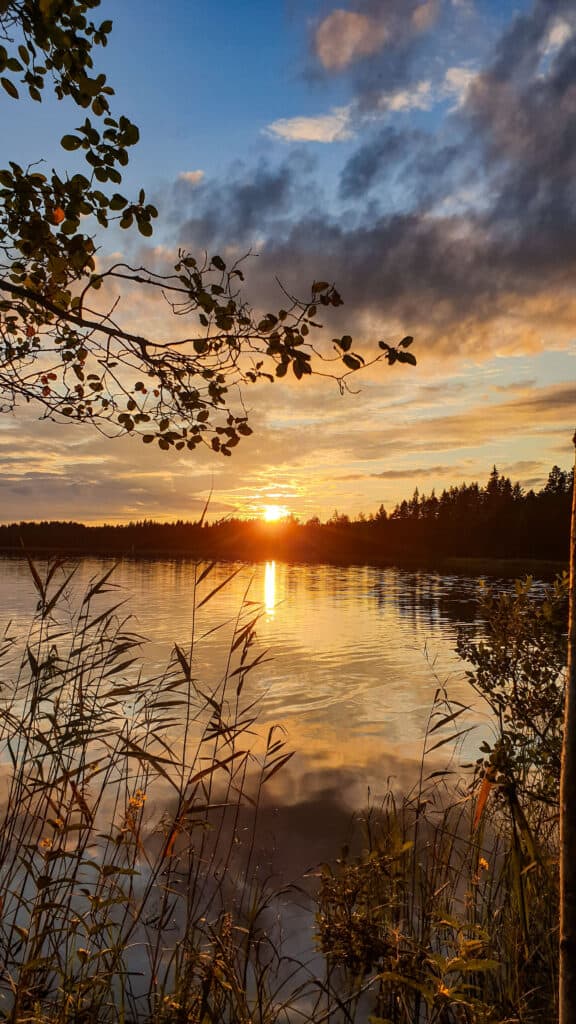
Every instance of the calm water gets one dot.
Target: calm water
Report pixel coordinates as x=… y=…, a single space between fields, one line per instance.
x=356 y=654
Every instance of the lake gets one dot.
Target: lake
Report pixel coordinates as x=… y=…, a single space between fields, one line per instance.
x=355 y=656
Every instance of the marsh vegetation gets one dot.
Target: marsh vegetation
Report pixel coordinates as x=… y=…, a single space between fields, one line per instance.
x=129 y=882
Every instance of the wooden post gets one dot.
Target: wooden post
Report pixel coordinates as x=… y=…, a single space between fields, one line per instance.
x=567 y=977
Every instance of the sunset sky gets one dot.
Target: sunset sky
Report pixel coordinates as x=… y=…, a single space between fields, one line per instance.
x=421 y=155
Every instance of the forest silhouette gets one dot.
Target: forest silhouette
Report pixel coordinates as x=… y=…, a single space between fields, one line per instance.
x=499 y=520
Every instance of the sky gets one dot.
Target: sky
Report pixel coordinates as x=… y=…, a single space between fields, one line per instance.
x=421 y=154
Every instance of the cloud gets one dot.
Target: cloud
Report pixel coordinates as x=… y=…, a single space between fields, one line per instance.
x=546 y=411
x=191 y=177
x=250 y=203
x=383 y=50
x=521 y=466
x=418 y=97
x=416 y=472
x=333 y=127
x=525 y=124
x=459 y=228
x=449 y=265
x=424 y=16
x=371 y=441
x=478 y=256
x=342 y=123
x=346 y=36
x=58 y=471
x=532 y=473
x=383 y=156
x=457 y=83
x=559 y=32
x=464 y=236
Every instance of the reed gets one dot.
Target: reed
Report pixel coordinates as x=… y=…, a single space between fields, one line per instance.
x=450 y=913
x=128 y=888
x=111 y=910
x=455 y=925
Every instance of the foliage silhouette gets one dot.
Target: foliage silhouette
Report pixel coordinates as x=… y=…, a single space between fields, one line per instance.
x=518 y=667
x=61 y=344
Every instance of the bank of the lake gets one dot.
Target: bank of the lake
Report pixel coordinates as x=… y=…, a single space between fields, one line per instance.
x=252 y=541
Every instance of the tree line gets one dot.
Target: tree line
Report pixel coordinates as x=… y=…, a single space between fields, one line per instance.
x=498 y=520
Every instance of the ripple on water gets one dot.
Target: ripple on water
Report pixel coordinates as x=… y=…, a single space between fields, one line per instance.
x=357 y=652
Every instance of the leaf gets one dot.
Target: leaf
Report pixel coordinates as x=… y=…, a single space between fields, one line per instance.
x=406 y=341
x=115 y=869
x=35 y=576
x=205 y=572
x=242 y=669
x=98 y=586
x=9 y=87
x=483 y=795
x=448 y=739
x=468 y=966
x=54 y=599
x=154 y=760
x=352 y=362
x=446 y=719
x=184 y=663
x=80 y=800
x=118 y=202
x=216 y=765
x=277 y=766
x=344 y=343
x=402 y=979
x=70 y=142
x=219 y=587
x=33 y=662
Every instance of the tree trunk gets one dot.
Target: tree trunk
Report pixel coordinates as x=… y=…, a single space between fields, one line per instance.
x=567 y=980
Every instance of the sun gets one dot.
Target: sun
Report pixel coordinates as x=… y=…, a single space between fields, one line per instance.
x=272 y=513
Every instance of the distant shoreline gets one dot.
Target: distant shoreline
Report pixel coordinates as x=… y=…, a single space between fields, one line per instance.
x=496 y=530
x=462 y=565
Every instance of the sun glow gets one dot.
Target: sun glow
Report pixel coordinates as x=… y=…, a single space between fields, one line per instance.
x=272 y=513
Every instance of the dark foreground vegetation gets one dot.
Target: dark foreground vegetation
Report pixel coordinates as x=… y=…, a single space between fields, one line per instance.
x=129 y=888
x=497 y=521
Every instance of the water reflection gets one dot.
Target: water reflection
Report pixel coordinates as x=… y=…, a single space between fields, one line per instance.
x=356 y=653
x=270 y=588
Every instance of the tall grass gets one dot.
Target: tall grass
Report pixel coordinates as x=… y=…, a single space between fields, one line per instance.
x=110 y=909
x=128 y=888
x=450 y=913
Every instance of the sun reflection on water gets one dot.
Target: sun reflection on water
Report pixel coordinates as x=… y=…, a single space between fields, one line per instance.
x=270 y=588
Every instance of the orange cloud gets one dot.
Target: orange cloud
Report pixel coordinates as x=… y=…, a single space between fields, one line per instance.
x=346 y=36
